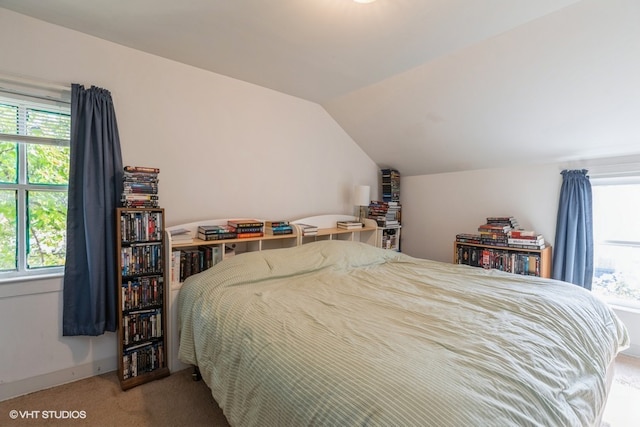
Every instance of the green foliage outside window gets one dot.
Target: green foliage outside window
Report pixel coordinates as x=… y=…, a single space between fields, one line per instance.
x=44 y=190
x=8 y=224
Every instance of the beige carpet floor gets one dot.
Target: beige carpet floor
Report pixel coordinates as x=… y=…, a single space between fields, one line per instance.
x=623 y=406
x=179 y=401
x=176 y=400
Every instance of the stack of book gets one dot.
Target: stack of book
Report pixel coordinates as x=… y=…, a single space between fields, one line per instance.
x=349 y=225
x=495 y=232
x=245 y=228
x=386 y=214
x=140 y=189
x=278 y=227
x=216 y=232
x=181 y=235
x=525 y=239
x=308 y=230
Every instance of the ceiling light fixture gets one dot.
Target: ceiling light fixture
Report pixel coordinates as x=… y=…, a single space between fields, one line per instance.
x=364 y=1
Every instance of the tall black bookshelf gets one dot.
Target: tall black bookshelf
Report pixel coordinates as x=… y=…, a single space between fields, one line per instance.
x=390 y=185
x=142 y=343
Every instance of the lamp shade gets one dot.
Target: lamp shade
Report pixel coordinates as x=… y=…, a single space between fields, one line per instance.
x=361 y=195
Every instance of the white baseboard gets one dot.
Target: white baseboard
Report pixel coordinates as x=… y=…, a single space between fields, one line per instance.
x=53 y=379
x=633 y=351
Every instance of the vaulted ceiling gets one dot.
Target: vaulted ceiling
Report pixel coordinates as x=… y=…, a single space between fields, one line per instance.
x=425 y=86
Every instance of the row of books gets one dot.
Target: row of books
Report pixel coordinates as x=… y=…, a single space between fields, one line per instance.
x=187 y=262
x=140 y=360
x=141 y=226
x=143 y=292
x=141 y=259
x=390 y=185
x=140 y=187
x=512 y=262
x=535 y=242
x=142 y=326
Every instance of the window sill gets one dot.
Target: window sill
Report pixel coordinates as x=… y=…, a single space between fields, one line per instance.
x=628 y=307
x=30 y=285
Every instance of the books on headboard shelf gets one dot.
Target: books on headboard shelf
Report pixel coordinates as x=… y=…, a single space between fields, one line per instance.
x=349 y=225
x=278 y=227
x=208 y=244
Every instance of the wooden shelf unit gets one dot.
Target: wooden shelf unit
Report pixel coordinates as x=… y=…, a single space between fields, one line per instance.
x=542 y=255
x=142 y=296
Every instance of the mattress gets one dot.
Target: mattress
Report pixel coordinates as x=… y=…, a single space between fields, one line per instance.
x=341 y=333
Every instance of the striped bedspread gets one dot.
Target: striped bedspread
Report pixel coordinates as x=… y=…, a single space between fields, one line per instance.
x=339 y=333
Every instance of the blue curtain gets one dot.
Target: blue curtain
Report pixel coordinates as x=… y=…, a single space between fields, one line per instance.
x=95 y=187
x=573 y=252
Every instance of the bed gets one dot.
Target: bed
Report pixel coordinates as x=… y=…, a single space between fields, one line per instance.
x=341 y=333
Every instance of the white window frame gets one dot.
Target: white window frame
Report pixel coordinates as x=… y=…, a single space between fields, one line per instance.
x=621 y=174
x=47 y=98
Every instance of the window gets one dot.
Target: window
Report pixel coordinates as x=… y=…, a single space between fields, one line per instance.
x=616 y=228
x=34 y=176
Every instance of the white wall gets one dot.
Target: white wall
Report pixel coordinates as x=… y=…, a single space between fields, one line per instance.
x=224 y=147
x=437 y=207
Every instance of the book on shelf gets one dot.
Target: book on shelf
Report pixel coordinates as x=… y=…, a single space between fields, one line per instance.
x=245 y=223
x=530 y=242
x=494 y=228
x=241 y=230
x=143 y=169
x=141 y=178
x=278 y=229
x=179 y=231
x=249 y=234
x=308 y=229
x=181 y=239
x=502 y=220
x=216 y=230
x=181 y=236
x=217 y=236
x=349 y=225
x=525 y=234
x=528 y=247
x=139 y=187
x=280 y=223
x=468 y=238
x=140 y=204
x=138 y=196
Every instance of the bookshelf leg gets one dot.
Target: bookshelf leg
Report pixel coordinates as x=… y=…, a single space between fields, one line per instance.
x=195 y=375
